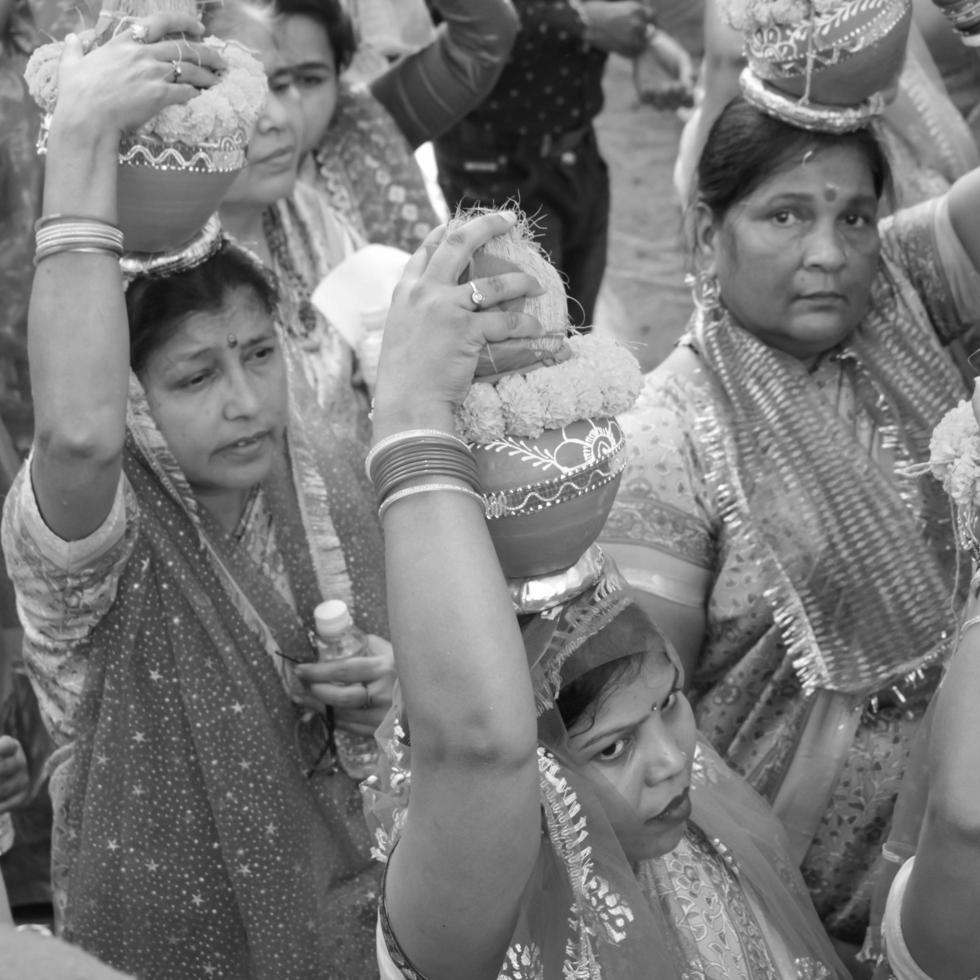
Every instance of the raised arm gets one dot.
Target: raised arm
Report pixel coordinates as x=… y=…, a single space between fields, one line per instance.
x=432 y=89
x=473 y=826
x=941 y=908
x=78 y=343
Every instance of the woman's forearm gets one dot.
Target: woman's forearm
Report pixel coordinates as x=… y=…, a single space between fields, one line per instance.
x=78 y=339
x=942 y=904
x=429 y=91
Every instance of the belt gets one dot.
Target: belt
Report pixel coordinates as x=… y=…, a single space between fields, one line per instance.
x=469 y=140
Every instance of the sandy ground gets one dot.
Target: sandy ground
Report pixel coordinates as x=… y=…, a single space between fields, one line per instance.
x=644 y=300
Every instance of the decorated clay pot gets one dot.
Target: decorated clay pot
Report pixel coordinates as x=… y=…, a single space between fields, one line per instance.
x=167 y=191
x=548 y=497
x=855 y=51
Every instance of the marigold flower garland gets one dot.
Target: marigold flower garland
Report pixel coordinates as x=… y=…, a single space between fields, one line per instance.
x=226 y=110
x=600 y=379
x=954 y=460
x=750 y=15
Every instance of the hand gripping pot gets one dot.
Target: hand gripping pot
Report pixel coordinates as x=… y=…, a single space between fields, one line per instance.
x=176 y=168
x=540 y=419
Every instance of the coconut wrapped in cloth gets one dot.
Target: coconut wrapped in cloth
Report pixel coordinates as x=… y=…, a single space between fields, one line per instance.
x=540 y=418
x=176 y=168
x=826 y=65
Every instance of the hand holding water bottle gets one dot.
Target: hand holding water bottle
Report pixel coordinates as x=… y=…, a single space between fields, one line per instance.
x=355 y=673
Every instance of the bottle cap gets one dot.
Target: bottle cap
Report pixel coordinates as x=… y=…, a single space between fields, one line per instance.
x=332 y=617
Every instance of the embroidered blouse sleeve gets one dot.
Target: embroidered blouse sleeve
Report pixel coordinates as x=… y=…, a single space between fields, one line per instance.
x=660 y=530
x=922 y=240
x=64 y=588
x=430 y=90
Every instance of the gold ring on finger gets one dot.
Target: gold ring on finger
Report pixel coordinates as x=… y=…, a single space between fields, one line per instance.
x=368 y=700
x=476 y=297
x=177 y=69
x=139 y=32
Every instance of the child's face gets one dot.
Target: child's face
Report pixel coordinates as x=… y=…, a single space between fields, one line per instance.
x=636 y=752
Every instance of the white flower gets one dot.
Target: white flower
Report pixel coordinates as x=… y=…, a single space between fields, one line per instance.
x=600 y=379
x=227 y=110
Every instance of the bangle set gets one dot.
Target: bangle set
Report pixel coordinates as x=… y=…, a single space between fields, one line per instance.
x=964 y=16
x=426 y=455
x=57 y=233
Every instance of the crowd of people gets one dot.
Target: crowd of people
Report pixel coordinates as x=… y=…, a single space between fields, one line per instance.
x=730 y=734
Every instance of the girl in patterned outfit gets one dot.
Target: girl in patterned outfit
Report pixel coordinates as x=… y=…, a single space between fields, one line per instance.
x=184 y=509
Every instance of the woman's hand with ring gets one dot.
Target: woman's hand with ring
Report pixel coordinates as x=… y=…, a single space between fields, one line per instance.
x=438 y=324
x=359 y=688
x=119 y=85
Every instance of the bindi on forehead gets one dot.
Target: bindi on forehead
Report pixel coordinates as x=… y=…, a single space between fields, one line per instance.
x=830 y=194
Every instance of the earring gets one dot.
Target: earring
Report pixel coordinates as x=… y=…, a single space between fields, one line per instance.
x=705 y=291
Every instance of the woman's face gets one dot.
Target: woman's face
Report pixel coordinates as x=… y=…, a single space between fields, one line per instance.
x=636 y=752
x=795 y=259
x=217 y=390
x=276 y=146
x=306 y=48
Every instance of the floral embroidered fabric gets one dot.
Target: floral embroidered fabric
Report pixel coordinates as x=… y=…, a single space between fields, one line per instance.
x=367 y=172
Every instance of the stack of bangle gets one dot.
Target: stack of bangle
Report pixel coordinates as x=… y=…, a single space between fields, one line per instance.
x=414 y=457
x=964 y=15
x=56 y=233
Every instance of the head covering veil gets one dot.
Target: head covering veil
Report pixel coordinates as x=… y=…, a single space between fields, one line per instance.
x=194 y=829
x=586 y=912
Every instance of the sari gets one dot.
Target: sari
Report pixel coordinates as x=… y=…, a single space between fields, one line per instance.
x=365 y=169
x=778 y=498
x=725 y=904
x=200 y=827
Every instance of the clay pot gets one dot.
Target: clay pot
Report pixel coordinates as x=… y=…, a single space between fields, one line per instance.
x=549 y=497
x=857 y=51
x=167 y=191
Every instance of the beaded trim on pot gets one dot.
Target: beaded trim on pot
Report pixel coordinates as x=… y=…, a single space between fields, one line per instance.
x=571 y=482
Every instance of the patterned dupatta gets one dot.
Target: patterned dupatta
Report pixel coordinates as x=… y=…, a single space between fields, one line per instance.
x=367 y=170
x=195 y=833
x=873 y=605
x=586 y=913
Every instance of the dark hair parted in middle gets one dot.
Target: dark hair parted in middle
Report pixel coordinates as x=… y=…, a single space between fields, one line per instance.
x=157 y=306
x=618 y=650
x=745 y=147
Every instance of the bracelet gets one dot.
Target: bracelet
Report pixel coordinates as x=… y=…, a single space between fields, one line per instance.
x=92 y=249
x=972 y=621
x=59 y=233
x=428 y=488
x=406 y=462
x=46 y=220
x=410 y=435
x=892 y=856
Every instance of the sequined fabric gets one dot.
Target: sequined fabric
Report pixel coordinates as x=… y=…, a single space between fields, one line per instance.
x=199 y=829
x=748 y=697
x=366 y=170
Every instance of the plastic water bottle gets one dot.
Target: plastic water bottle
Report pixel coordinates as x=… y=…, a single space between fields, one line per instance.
x=337 y=639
